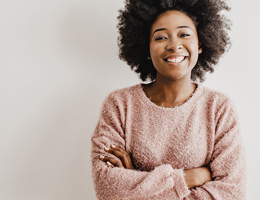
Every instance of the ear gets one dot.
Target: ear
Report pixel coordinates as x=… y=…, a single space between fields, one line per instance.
x=149 y=56
x=200 y=48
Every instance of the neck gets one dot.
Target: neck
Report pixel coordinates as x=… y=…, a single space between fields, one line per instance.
x=170 y=93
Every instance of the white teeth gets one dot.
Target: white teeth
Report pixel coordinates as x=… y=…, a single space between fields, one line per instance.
x=178 y=59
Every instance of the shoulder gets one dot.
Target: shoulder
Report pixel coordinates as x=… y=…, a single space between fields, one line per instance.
x=124 y=93
x=216 y=96
x=218 y=102
x=123 y=96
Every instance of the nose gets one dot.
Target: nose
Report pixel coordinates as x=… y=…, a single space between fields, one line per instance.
x=174 y=45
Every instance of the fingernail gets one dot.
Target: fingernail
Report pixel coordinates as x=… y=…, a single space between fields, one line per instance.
x=106 y=148
x=101 y=157
x=109 y=163
x=113 y=146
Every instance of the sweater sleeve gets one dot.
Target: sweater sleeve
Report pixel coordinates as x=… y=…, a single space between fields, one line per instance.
x=228 y=161
x=120 y=183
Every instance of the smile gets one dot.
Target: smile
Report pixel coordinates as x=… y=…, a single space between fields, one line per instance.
x=175 y=59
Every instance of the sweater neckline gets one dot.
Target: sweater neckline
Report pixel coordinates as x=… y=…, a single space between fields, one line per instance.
x=191 y=100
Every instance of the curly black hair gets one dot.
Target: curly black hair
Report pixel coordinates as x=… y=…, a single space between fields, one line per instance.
x=136 y=19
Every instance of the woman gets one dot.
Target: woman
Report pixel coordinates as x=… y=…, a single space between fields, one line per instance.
x=172 y=138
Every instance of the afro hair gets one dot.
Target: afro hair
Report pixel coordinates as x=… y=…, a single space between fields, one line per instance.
x=136 y=19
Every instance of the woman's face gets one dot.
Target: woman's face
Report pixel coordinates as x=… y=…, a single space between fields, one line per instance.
x=174 y=45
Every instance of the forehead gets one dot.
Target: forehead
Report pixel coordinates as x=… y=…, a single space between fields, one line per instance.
x=171 y=19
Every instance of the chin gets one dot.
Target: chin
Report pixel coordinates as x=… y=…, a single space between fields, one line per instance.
x=178 y=77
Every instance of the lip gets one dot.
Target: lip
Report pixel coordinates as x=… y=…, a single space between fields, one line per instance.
x=174 y=56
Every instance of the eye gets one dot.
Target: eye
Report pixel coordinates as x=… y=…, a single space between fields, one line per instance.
x=184 y=35
x=160 y=38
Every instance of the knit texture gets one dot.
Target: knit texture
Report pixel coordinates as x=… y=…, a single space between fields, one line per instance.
x=163 y=142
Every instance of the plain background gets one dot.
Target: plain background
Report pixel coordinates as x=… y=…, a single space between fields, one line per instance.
x=59 y=60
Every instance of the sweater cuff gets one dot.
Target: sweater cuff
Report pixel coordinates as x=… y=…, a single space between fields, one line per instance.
x=180 y=185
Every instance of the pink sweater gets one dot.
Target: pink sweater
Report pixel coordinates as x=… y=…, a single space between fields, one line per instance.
x=164 y=141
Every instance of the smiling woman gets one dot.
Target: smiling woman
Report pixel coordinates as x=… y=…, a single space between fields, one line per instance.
x=172 y=138
x=174 y=46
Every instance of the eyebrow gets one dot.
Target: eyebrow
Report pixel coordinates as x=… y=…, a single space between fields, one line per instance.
x=162 y=29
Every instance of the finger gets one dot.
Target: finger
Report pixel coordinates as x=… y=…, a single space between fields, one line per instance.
x=122 y=155
x=118 y=148
x=125 y=157
x=119 y=155
x=109 y=164
x=113 y=161
x=113 y=148
x=115 y=152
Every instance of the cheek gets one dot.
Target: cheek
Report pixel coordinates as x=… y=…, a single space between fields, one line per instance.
x=155 y=51
x=155 y=54
x=152 y=50
x=194 y=50
x=194 y=57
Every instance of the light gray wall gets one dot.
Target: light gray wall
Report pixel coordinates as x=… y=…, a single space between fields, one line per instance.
x=58 y=61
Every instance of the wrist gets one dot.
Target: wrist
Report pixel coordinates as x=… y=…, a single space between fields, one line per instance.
x=190 y=178
x=197 y=176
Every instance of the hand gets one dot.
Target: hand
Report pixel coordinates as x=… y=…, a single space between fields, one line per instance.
x=121 y=154
x=197 y=176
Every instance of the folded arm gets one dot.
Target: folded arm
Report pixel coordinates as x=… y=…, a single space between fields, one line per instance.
x=228 y=162
x=121 y=183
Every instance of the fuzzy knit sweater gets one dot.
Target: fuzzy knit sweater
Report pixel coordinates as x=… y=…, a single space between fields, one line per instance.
x=163 y=142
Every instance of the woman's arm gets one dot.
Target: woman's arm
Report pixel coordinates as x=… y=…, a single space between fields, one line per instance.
x=193 y=177
x=197 y=176
x=121 y=183
x=228 y=162
x=163 y=182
